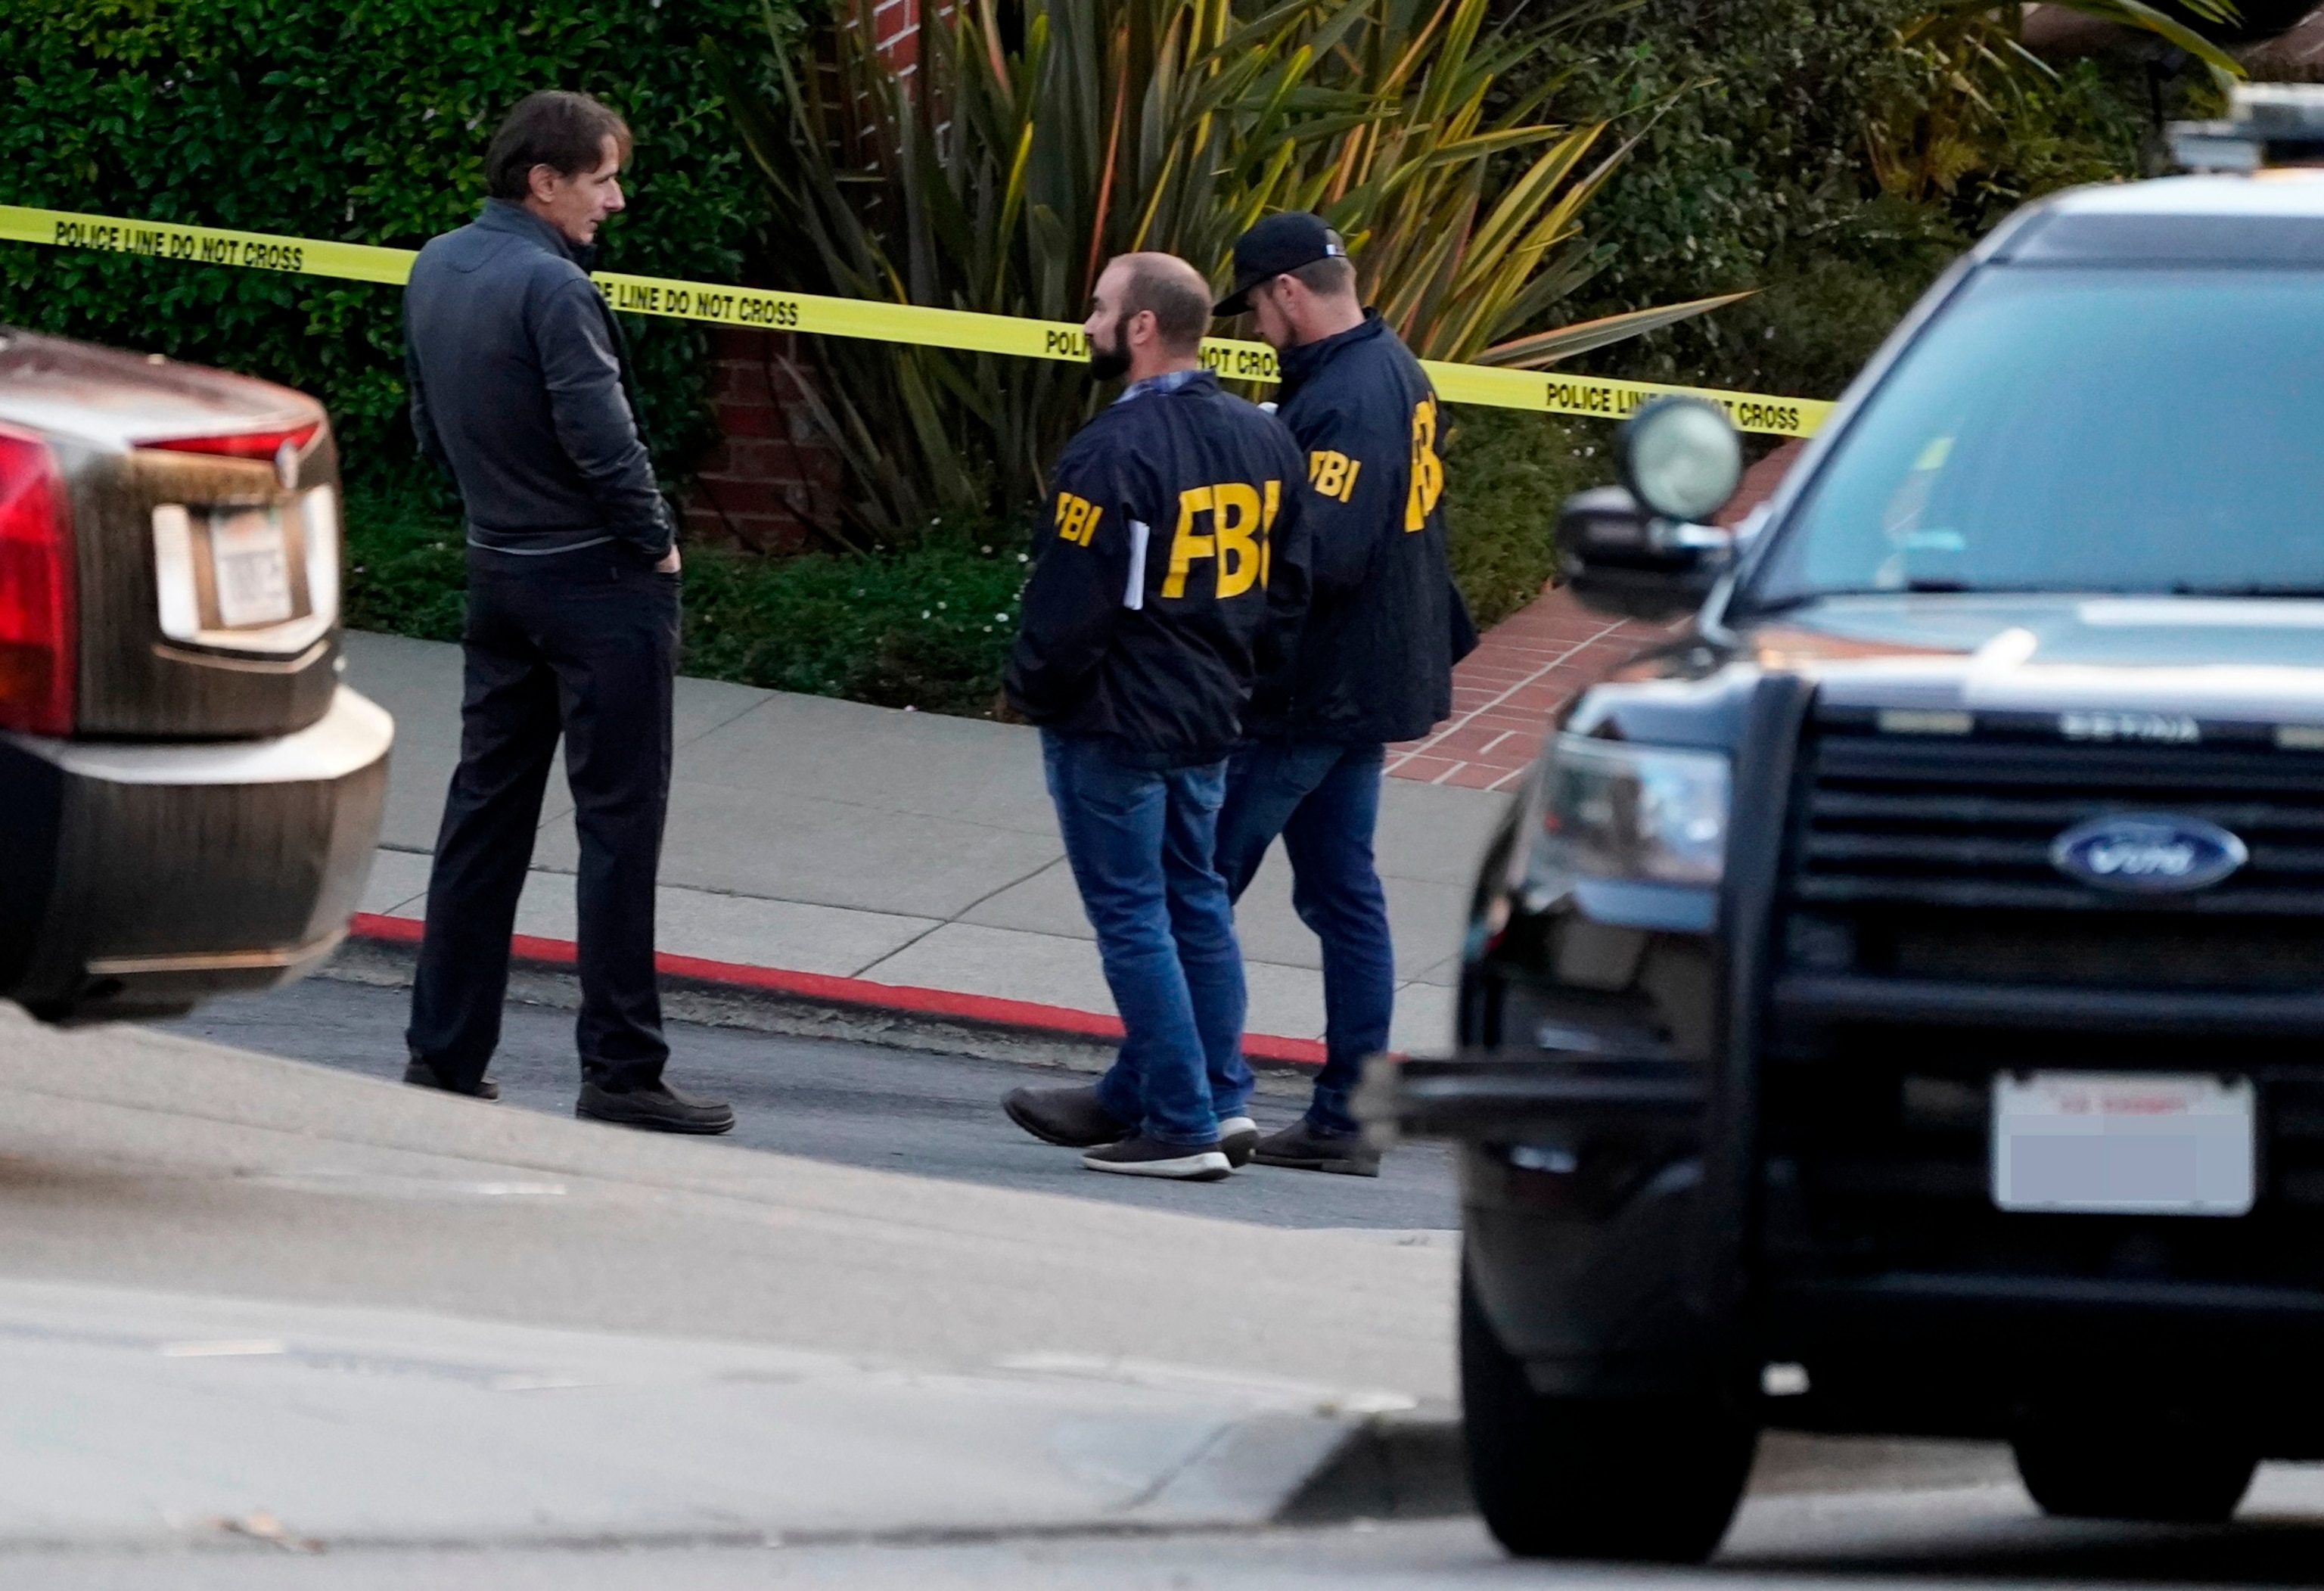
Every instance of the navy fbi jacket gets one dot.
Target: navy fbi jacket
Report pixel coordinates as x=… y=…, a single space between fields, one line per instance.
x=516 y=368
x=1386 y=626
x=1172 y=568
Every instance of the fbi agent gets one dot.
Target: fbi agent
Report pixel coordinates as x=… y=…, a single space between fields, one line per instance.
x=1174 y=562
x=1375 y=659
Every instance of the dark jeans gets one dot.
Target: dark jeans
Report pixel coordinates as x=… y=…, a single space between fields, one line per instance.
x=1138 y=842
x=1324 y=799
x=585 y=643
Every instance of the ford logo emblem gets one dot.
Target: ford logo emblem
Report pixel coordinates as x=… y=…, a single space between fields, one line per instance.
x=2147 y=853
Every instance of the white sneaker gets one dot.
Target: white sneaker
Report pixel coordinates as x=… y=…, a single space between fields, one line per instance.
x=1144 y=1157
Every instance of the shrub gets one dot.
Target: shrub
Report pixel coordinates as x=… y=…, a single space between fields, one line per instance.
x=358 y=120
x=1756 y=175
x=1506 y=475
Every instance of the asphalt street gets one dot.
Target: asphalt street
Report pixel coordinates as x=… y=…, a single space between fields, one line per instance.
x=271 y=1324
x=1985 y=1536
x=247 y=1298
x=848 y=1104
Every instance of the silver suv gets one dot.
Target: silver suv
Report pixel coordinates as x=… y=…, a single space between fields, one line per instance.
x=191 y=797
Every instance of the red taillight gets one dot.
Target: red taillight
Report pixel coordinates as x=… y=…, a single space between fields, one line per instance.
x=38 y=657
x=253 y=444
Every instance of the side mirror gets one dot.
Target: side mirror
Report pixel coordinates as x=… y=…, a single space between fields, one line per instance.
x=1638 y=549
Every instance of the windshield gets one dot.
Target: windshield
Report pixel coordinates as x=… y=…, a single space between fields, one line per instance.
x=2082 y=430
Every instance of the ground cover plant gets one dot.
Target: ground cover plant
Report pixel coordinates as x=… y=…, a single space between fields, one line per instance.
x=927 y=626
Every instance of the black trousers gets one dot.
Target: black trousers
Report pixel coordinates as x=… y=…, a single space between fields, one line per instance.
x=582 y=644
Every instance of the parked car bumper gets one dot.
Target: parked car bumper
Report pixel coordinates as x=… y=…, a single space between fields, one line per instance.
x=139 y=877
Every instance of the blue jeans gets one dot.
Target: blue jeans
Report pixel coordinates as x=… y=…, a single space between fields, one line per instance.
x=1139 y=843
x=1323 y=799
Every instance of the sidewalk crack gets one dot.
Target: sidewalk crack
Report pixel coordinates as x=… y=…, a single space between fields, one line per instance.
x=961 y=917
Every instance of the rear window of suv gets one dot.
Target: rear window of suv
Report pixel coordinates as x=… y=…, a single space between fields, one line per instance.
x=2083 y=429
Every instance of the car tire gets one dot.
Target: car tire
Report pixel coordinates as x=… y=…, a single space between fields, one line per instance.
x=1645 y=1479
x=2175 y=1478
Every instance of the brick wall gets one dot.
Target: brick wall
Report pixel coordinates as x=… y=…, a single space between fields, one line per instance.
x=896 y=33
x=773 y=479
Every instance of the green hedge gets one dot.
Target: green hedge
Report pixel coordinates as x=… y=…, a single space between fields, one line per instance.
x=360 y=120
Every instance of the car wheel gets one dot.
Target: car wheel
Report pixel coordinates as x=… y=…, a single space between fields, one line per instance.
x=2176 y=1477
x=1646 y=1479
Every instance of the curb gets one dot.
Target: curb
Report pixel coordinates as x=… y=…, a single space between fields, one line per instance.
x=1406 y=1466
x=829 y=1005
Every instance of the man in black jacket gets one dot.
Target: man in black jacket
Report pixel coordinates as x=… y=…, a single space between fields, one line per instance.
x=518 y=376
x=1173 y=558
x=1374 y=658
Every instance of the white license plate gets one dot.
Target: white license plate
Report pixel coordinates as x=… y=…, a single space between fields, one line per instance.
x=2123 y=1144
x=252 y=564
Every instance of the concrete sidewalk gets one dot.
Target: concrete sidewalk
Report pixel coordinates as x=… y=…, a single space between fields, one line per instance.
x=826 y=836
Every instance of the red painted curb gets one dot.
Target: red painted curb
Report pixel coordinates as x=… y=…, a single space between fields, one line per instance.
x=857 y=992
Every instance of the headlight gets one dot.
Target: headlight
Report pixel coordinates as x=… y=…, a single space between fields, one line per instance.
x=1648 y=817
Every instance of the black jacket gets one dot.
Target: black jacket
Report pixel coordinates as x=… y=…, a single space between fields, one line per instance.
x=1375 y=657
x=516 y=369
x=1172 y=564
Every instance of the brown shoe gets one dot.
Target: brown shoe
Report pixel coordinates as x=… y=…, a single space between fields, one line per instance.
x=1071 y=1117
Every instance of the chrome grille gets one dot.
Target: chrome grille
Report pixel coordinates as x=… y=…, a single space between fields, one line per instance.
x=1966 y=823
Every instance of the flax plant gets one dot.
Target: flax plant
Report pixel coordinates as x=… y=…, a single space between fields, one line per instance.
x=1035 y=139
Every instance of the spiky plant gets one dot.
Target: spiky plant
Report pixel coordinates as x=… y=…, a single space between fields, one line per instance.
x=1037 y=138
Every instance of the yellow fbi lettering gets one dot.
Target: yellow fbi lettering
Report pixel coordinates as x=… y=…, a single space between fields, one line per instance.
x=1333 y=475
x=1427 y=468
x=1077 y=518
x=1240 y=515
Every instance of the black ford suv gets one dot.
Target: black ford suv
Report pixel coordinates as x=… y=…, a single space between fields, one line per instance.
x=1897 y=1005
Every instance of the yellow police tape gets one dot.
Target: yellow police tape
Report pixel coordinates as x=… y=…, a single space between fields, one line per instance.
x=1600 y=397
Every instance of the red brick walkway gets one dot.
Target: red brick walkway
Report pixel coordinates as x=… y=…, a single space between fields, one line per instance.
x=1528 y=666
x=1533 y=662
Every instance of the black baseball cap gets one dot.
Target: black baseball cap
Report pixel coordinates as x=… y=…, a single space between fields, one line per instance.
x=1282 y=241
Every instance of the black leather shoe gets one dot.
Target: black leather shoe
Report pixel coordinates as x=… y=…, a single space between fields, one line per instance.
x=421 y=1074
x=660 y=1109
x=1302 y=1148
x=1069 y=1116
